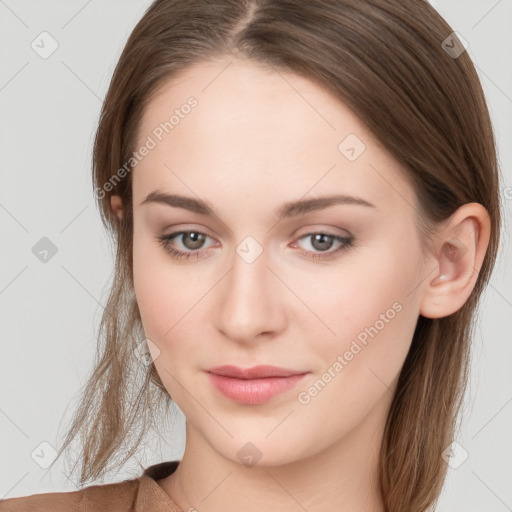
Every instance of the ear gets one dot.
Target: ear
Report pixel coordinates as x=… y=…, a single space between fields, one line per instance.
x=459 y=250
x=117 y=206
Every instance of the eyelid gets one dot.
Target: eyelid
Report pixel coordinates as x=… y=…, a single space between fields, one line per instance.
x=185 y=228
x=347 y=236
x=332 y=231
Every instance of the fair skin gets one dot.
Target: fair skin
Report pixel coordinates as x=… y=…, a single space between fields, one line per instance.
x=251 y=144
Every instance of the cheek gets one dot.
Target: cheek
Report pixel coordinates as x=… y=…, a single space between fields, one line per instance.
x=373 y=315
x=169 y=296
x=368 y=310
x=165 y=306
x=157 y=292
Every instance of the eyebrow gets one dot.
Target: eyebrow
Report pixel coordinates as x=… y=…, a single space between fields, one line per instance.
x=290 y=209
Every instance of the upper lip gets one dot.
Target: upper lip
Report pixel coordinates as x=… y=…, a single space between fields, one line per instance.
x=255 y=372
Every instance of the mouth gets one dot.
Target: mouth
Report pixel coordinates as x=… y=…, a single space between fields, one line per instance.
x=256 y=372
x=253 y=386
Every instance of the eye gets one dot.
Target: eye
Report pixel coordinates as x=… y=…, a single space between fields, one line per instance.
x=322 y=242
x=191 y=240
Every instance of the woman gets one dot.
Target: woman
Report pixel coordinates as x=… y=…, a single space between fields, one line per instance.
x=304 y=201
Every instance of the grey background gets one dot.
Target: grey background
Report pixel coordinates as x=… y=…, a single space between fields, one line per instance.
x=50 y=311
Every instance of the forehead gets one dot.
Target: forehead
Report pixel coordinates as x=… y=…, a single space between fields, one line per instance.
x=236 y=95
x=260 y=133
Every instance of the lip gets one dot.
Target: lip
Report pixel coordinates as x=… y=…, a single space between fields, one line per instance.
x=255 y=385
x=255 y=372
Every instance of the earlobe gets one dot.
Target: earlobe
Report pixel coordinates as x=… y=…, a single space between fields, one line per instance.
x=116 y=204
x=461 y=245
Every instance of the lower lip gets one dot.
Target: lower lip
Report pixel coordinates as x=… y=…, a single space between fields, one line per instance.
x=253 y=391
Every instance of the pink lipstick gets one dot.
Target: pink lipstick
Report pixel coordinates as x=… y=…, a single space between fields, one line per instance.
x=255 y=385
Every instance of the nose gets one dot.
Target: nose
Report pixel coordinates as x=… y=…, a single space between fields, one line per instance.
x=249 y=302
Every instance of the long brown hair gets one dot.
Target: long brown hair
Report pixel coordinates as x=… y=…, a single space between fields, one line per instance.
x=389 y=62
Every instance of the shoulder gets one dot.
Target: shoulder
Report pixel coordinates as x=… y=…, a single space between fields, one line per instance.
x=117 y=497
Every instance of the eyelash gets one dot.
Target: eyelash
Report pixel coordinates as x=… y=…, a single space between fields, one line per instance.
x=347 y=243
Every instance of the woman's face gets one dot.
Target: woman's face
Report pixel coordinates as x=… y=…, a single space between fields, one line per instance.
x=263 y=282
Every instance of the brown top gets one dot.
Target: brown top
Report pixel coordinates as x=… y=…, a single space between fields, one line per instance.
x=142 y=494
